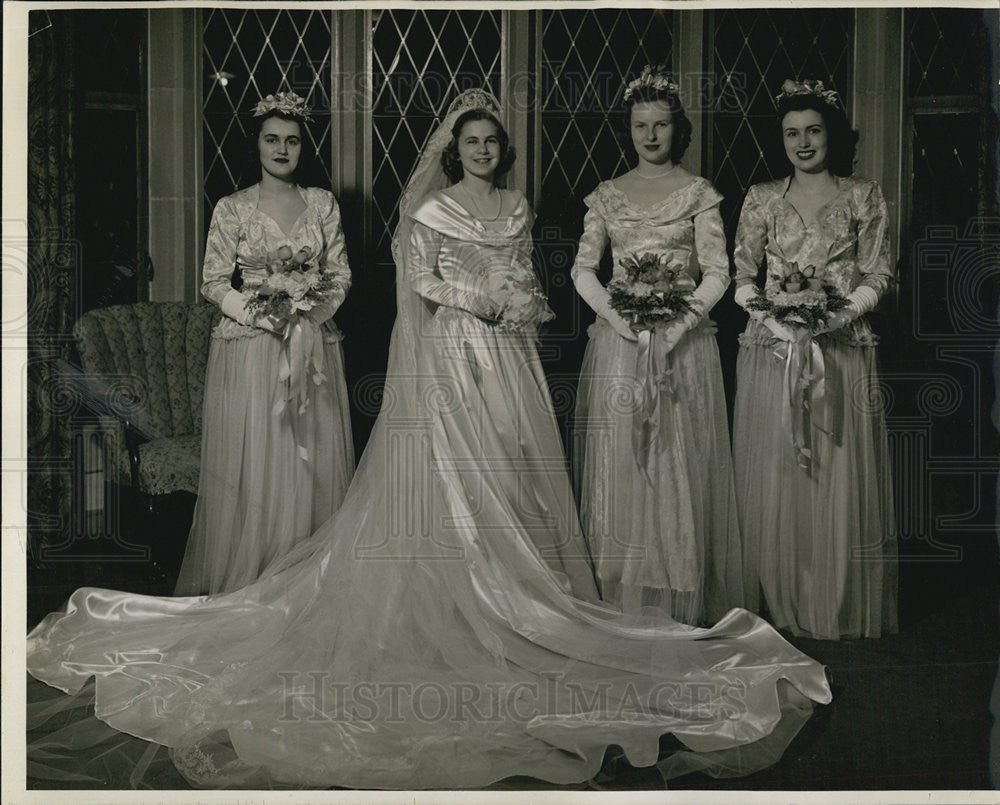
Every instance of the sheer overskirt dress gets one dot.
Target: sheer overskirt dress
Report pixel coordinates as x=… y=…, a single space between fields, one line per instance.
x=271 y=473
x=663 y=527
x=819 y=527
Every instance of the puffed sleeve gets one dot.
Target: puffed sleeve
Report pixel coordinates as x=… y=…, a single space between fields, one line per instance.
x=710 y=247
x=593 y=242
x=333 y=260
x=874 y=262
x=220 y=252
x=751 y=238
x=421 y=264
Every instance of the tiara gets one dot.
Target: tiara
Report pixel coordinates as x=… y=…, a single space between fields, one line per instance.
x=808 y=87
x=655 y=78
x=475 y=99
x=285 y=102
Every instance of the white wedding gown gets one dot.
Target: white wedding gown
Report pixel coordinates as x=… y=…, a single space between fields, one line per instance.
x=420 y=639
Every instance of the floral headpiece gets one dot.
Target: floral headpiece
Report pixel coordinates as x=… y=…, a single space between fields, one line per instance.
x=808 y=87
x=654 y=77
x=285 y=102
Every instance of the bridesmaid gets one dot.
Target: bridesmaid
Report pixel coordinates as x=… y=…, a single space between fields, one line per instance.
x=652 y=462
x=277 y=455
x=809 y=438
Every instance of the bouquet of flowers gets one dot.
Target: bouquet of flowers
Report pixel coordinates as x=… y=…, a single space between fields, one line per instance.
x=652 y=291
x=293 y=285
x=802 y=299
x=521 y=302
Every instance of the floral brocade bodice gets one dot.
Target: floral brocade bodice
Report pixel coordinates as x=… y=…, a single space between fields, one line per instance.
x=684 y=228
x=243 y=235
x=846 y=245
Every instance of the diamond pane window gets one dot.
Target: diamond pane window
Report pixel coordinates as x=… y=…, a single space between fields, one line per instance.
x=752 y=53
x=250 y=54
x=586 y=59
x=945 y=169
x=421 y=60
x=945 y=51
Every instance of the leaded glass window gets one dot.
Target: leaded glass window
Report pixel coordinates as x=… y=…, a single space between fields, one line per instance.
x=752 y=52
x=248 y=54
x=586 y=58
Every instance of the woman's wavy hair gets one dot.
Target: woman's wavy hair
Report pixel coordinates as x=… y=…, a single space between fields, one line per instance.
x=841 y=139
x=452 y=164
x=306 y=173
x=682 y=124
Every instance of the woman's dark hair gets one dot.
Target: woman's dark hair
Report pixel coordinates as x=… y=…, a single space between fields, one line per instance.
x=841 y=140
x=682 y=125
x=452 y=164
x=305 y=172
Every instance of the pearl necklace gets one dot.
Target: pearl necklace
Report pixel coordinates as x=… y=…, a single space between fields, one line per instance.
x=479 y=210
x=667 y=172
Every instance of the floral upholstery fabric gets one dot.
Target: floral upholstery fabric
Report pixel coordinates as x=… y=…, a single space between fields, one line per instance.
x=146 y=362
x=165 y=465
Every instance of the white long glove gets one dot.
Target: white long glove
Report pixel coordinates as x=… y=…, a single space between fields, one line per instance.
x=743 y=295
x=709 y=291
x=234 y=305
x=859 y=301
x=597 y=296
x=704 y=298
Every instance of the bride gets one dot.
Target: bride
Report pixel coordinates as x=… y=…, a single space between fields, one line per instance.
x=426 y=636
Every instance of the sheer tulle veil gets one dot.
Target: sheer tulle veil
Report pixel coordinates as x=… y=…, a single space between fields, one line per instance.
x=407 y=348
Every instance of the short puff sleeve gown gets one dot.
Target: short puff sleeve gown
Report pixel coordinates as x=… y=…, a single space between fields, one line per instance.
x=666 y=534
x=268 y=479
x=820 y=532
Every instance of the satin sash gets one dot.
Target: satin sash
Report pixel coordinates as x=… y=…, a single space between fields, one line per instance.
x=651 y=380
x=811 y=396
x=299 y=366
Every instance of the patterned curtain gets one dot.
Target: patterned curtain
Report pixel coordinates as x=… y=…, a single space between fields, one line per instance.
x=52 y=271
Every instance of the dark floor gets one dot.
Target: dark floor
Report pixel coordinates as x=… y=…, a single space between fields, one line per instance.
x=910 y=711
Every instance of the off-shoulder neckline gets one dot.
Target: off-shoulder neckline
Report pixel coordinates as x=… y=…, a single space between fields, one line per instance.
x=516 y=213
x=659 y=204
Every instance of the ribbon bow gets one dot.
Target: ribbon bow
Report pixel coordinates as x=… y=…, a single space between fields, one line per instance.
x=809 y=394
x=301 y=361
x=651 y=379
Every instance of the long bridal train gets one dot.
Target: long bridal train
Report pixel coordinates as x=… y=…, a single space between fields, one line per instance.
x=420 y=639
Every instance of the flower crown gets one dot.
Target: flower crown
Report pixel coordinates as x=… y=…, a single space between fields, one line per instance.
x=654 y=77
x=808 y=87
x=285 y=102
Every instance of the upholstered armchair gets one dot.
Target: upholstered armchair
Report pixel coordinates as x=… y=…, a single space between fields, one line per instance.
x=145 y=365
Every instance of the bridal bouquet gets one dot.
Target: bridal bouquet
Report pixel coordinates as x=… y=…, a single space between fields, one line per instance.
x=293 y=284
x=521 y=302
x=652 y=291
x=802 y=299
